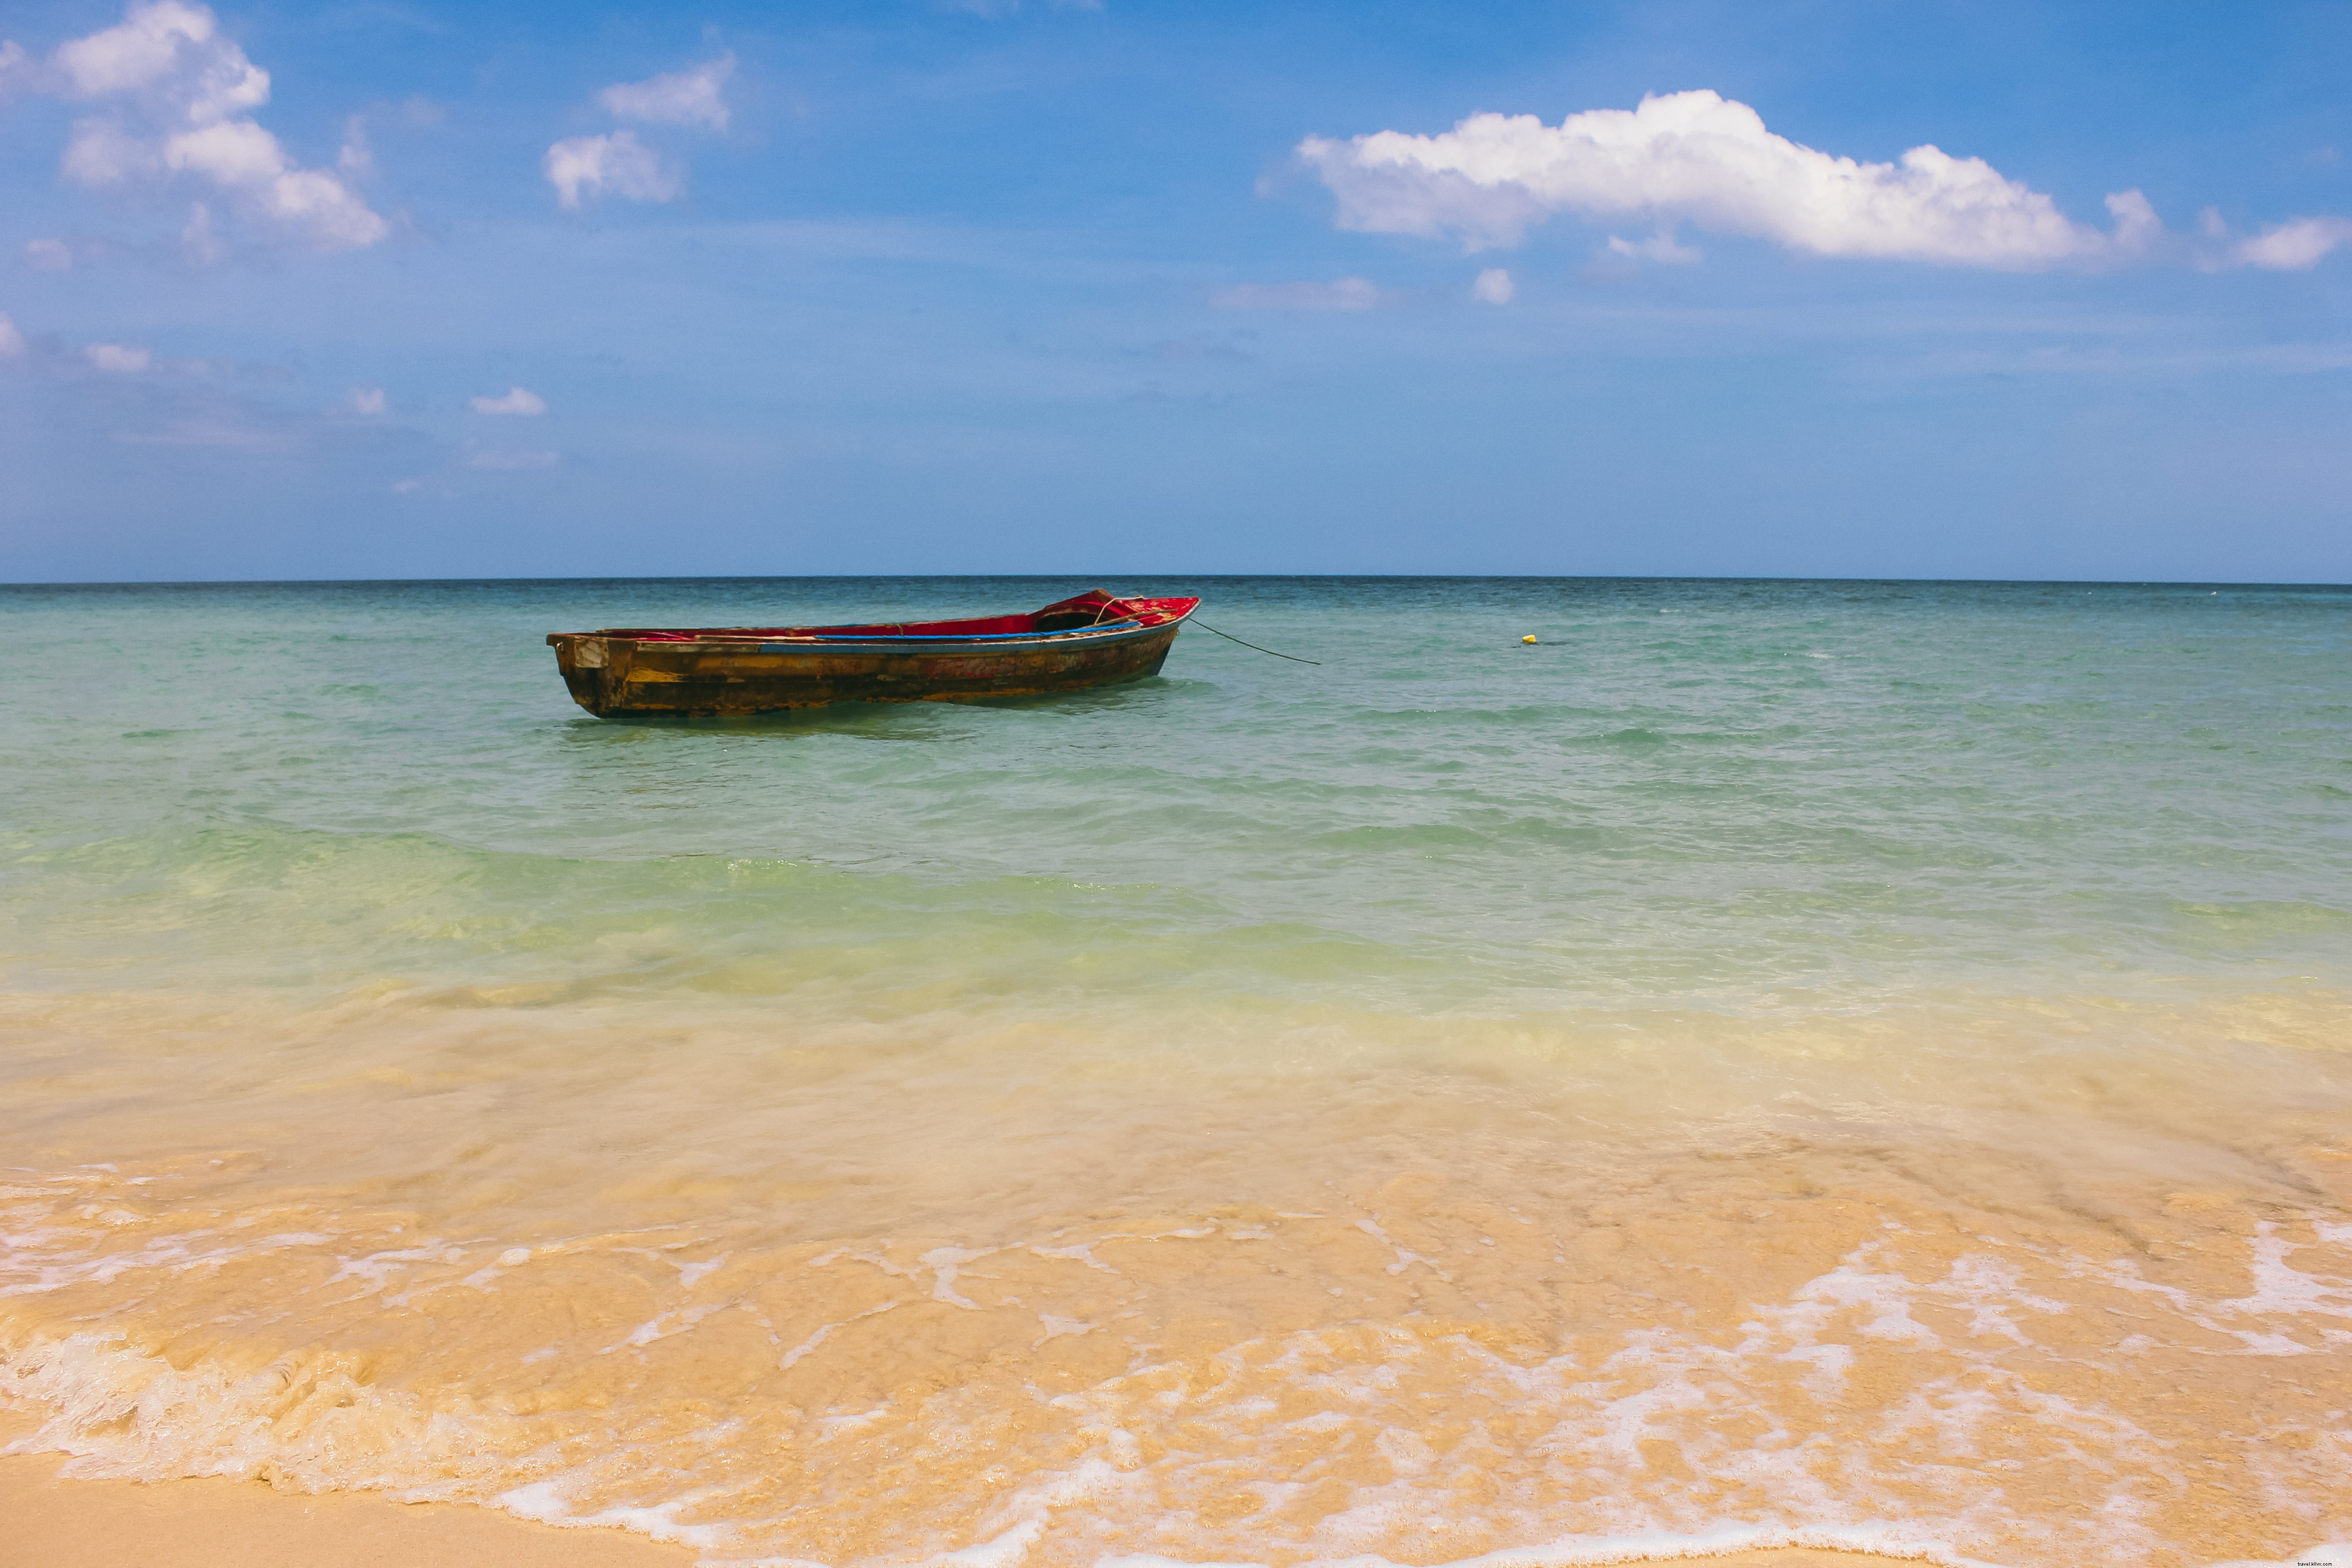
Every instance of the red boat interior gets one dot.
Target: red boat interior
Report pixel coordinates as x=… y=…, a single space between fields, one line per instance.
x=1096 y=609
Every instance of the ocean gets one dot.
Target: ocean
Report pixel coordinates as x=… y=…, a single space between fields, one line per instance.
x=1848 y=1063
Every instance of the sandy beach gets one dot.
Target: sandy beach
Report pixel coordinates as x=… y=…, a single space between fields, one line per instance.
x=54 y=1523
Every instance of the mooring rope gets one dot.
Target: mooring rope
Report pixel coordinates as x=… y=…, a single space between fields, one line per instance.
x=1230 y=637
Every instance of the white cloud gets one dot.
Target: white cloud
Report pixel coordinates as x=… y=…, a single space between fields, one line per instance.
x=582 y=166
x=2295 y=244
x=179 y=92
x=169 y=49
x=1660 y=247
x=48 y=255
x=315 y=203
x=1702 y=159
x=231 y=152
x=1345 y=294
x=516 y=401
x=512 y=462
x=406 y=486
x=367 y=400
x=12 y=341
x=118 y=359
x=1493 y=287
x=595 y=165
x=691 y=96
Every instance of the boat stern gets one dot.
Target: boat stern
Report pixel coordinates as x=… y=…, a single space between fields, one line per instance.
x=594 y=667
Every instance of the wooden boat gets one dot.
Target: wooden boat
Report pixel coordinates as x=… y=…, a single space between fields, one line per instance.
x=1092 y=640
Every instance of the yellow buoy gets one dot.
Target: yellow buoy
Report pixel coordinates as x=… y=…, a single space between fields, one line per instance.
x=1527 y=639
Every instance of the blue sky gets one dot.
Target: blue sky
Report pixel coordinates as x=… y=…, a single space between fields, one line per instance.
x=1143 y=288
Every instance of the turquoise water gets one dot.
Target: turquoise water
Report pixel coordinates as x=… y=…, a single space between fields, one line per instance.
x=1696 y=792
x=1933 y=988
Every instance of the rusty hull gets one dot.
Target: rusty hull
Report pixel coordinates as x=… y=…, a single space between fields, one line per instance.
x=620 y=677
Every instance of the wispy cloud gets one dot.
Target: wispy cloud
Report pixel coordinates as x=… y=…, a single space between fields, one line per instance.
x=1699 y=158
x=695 y=96
x=1660 y=247
x=593 y=165
x=12 y=341
x=48 y=255
x=1345 y=294
x=118 y=358
x=1493 y=287
x=174 y=101
x=617 y=163
x=355 y=157
x=516 y=401
x=2294 y=246
x=367 y=400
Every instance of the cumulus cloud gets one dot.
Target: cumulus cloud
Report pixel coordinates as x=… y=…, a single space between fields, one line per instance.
x=48 y=255
x=12 y=341
x=369 y=400
x=1493 y=287
x=691 y=96
x=2294 y=246
x=516 y=401
x=173 y=99
x=1345 y=294
x=118 y=359
x=591 y=165
x=1699 y=158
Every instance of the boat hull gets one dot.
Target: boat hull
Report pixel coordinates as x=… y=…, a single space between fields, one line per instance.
x=620 y=677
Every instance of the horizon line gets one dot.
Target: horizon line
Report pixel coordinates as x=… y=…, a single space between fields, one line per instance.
x=2209 y=583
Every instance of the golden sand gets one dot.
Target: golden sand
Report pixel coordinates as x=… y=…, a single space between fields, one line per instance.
x=1065 y=1318
x=56 y=1524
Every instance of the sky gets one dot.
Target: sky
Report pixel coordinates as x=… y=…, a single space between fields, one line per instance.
x=400 y=288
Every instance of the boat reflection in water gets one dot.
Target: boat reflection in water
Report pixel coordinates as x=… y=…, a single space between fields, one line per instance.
x=1094 y=639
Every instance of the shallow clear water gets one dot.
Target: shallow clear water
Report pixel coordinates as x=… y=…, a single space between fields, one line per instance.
x=1767 y=1057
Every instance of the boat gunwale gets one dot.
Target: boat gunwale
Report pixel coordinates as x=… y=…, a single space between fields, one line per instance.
x=788 y=644
x=647 y=639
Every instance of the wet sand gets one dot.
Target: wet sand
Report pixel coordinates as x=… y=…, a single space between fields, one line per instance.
x=54 y=1522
